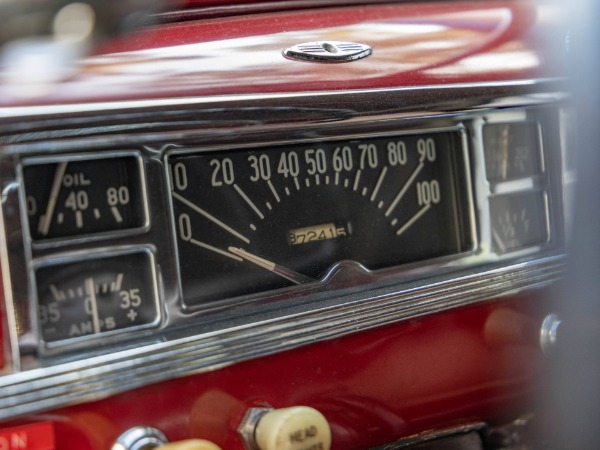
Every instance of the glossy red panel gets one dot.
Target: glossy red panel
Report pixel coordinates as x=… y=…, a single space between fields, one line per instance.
x=479 y=363
x=36 y=436
x=413 y=45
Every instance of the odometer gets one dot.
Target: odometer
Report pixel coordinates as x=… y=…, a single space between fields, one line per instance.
x=254 y=220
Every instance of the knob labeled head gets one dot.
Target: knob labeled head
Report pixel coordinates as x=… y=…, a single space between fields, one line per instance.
x=294 y=428
x=190 y=444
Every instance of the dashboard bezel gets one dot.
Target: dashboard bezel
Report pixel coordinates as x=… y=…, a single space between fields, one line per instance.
x=66 y=240
x=357 y=303
x=373 y=275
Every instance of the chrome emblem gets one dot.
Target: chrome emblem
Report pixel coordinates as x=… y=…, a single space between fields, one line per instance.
x=328 y=51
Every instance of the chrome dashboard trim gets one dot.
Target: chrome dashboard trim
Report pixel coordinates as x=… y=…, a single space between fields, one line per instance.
x=44 y=388
x=476 y=94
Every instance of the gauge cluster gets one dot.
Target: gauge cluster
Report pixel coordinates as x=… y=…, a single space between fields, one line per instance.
x=139 y=245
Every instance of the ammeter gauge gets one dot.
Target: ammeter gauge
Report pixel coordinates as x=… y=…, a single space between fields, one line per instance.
x=97 y=295
x=82 y=196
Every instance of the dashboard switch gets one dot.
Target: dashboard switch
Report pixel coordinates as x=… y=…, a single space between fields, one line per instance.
x=293 y=428
x=148 y=438
x=140 y=438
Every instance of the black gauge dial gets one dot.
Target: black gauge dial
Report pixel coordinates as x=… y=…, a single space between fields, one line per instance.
x=96 y=295
x=512 y=150
x=255 y=220
x=518 y=220
x=83 y=196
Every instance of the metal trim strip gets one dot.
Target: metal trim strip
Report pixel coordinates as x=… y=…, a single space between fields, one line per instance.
x=489 y=91
x=66 y=384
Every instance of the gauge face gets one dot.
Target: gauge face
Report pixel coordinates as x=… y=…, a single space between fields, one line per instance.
x=518 y=221
x=512 y=150
x=94 y=296
x=83 y=196
x=255 y=220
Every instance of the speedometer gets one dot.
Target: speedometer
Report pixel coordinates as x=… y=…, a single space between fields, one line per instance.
x=257 y=219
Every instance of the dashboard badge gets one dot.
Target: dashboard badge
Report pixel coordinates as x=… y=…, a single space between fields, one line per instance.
x=328 y=51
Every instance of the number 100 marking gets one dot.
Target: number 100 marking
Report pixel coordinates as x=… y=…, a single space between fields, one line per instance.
x=428 y=192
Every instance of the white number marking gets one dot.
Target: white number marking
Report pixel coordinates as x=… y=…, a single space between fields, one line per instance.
x=180 y=175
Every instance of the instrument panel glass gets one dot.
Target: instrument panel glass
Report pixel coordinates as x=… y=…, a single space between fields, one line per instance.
x=83 y=196
x=97 y=295
x=253 y=220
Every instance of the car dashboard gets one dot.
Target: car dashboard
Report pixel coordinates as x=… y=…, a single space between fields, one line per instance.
x=212 y=219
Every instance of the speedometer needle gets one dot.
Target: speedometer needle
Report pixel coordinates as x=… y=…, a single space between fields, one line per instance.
x=284 y=272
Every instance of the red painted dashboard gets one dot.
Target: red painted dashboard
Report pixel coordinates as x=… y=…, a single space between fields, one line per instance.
x=419 y=353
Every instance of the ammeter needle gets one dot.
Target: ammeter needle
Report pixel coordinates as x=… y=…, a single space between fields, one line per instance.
x=89 y=285
x=284 y=272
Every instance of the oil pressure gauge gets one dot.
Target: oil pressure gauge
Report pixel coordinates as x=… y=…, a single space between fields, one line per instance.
x=83 y=196
x=96 y=296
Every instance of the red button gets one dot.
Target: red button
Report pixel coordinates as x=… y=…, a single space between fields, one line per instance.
x=37 y=436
